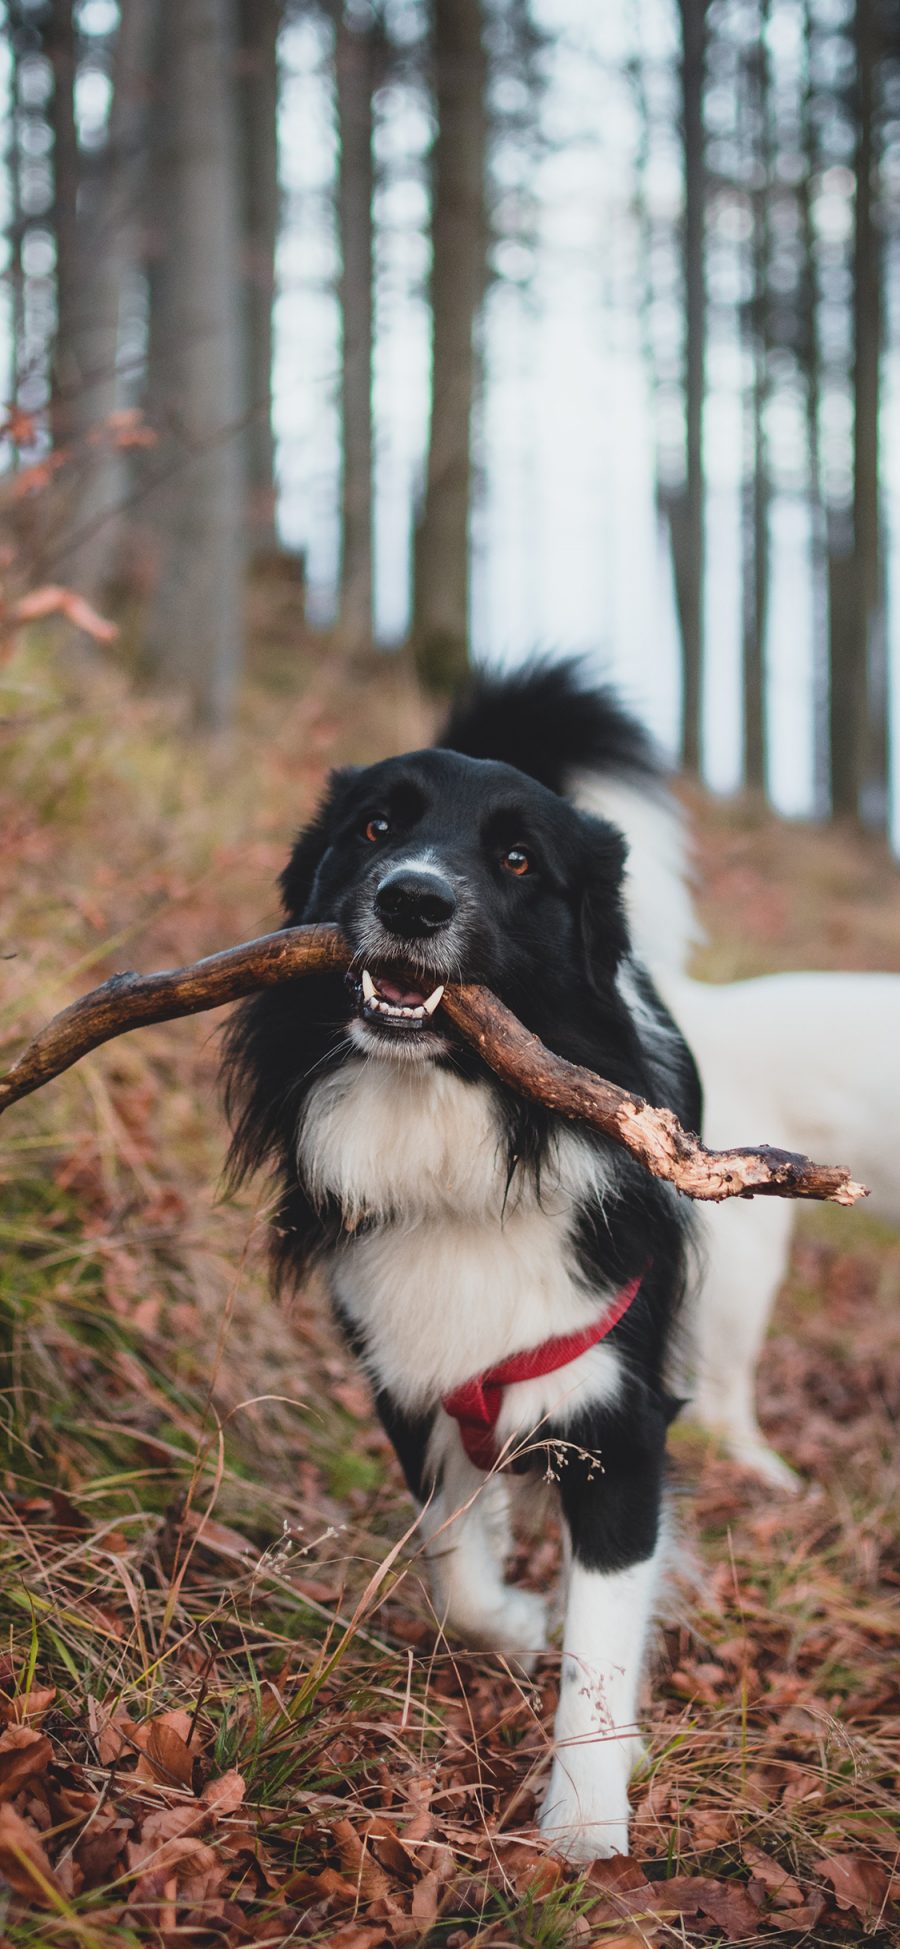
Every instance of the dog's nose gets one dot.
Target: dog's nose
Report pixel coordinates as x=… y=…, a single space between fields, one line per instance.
x=412 y=903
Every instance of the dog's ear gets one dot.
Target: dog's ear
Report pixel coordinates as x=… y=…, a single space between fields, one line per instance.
x=270 y=1044
x=604 y=928
x=298 y=879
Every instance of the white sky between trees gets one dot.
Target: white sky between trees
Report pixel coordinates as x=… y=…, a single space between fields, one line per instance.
x=566 y=550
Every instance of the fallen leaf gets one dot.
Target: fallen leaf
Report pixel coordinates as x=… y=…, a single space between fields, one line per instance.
x=619 y=1874
x=219 y=1537
x=69 y=1877
x=357 y=1861
x=775 y=1879
x=100 y=1847
x=115 y=1737
x=27 y=1705
x=731 y=1907
x=858 y=1882
x=388 y=1849
x=327 y=1885
x=23 y=1860
x=24 y=1755
x=224 y=1795
x=167 y=1824
x=359 y=1935
x=425 y=1899
x=529 y=1867
x=167 y=1754
x=189 y=1860
x=728 y=1905
x=798 y=1920
x=712 y=1827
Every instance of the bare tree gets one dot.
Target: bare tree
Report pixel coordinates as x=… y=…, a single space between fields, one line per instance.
x=110 y=247
x=16 y=272
x=357 y=54
x=688 y=527
x=259 y=22
x=869 y=738
x=810 y=360
x=757 y=493
x=856 y=566
x=195 y=632
x=440 y=629
x=61 y=48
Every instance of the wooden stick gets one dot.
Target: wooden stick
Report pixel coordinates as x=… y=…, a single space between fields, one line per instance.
x=655 y=1137
x=132 y=1001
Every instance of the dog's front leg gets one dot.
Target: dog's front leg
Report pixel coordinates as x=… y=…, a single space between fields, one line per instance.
x=466 y=1529
x=612 y=1509
x=468 y=1533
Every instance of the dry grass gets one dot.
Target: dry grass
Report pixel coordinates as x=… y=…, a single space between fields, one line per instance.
x=229 y=1717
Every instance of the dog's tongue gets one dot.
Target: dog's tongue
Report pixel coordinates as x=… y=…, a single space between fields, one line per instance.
x=401 y=997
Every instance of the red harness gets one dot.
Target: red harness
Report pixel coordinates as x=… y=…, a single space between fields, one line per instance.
x=476 y=1405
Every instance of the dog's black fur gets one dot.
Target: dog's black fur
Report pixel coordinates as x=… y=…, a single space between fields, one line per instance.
x=550 y=944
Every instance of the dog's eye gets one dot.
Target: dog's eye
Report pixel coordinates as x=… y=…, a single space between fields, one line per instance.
x=517 y=861
x=375 y=829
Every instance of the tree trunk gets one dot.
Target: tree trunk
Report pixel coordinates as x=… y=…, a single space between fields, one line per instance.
x=864 y=792
x=60 y=43
x=756 y=591
x=157 y=195
x=757 y=490
x=857 y=647
x=110 y=246
x=458 y=231
x=355 y=61
x=258 y=27
x=16 y=231
x=811 y=360
x=690 y=550
x=196 y=625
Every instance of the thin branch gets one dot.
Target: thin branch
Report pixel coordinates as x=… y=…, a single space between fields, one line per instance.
x=655 y=1137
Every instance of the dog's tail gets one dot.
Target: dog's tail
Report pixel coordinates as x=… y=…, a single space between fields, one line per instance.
x=578 y=739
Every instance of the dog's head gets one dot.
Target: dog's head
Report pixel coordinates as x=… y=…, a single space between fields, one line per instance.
x=439 y=867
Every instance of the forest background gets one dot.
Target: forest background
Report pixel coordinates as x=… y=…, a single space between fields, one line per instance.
x=341 y=342
x=507 y=325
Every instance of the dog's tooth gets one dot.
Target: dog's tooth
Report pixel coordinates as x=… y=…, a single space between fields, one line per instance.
x=418 y=1012
x=433 y=1000
x=368 y=986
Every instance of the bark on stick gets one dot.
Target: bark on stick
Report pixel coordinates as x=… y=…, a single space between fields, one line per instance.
x=654 y=1136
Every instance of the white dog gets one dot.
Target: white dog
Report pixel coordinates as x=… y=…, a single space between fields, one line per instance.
x=808 y=1062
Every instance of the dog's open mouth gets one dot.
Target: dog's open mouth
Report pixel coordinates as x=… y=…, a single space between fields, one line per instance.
x=396 y=1001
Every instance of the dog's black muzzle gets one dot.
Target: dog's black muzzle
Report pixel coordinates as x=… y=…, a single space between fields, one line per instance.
x=415 y=904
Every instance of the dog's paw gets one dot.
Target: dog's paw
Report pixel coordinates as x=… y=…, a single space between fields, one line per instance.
x=751 y=1452
x=516 y=1627
x=586 y=1819
x=523 y=1627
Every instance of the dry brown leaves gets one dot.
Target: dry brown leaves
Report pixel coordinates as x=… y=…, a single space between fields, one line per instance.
x=398 y=1805
x=68 y=1829
x=184 y=1850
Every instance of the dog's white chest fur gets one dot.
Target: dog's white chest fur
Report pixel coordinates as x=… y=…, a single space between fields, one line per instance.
x=457 y=1273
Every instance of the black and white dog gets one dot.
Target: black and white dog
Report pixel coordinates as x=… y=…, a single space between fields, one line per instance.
x=510 y=1283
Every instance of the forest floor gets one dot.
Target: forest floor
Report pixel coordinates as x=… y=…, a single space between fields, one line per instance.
x=227 y=1715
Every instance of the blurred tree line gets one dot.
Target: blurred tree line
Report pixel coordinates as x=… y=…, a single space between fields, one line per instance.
x=144 y=212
